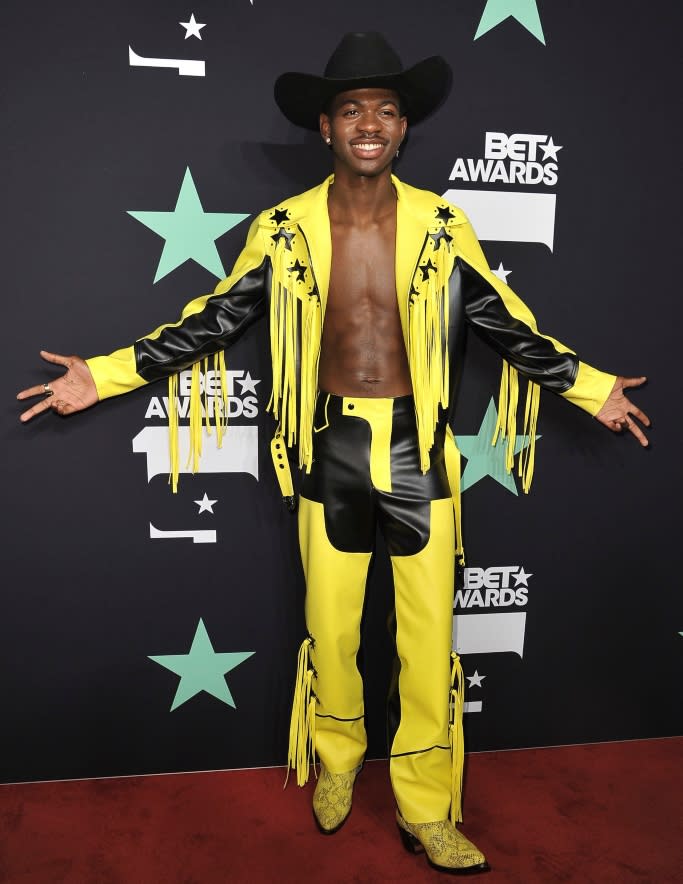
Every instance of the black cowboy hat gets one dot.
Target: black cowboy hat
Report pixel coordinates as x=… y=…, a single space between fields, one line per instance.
x=364 y=60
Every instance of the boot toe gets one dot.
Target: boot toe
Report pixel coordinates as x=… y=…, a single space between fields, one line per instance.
x=446 y=849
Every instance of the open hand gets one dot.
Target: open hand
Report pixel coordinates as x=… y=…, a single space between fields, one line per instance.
x=73 y=391
x=618 y=411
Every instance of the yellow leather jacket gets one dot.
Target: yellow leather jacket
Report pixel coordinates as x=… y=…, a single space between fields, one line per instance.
x=442 y=281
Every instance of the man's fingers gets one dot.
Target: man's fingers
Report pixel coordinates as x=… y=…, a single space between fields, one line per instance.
x=618 y=425
x=638 y=433
x=56 y=358
x=38 y=390
x=38 y=408
x=642 y=417
x=633 y=382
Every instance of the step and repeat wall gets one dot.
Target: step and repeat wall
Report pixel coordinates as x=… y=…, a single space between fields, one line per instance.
x=144 y=631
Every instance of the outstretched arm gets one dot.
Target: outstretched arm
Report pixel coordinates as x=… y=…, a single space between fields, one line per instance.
x=499 y=316
x=73 y=391
x=618 y=411
x=507 y=324
x=208 y=324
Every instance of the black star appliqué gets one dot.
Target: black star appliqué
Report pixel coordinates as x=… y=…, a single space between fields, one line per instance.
x=283 y=234
x=279 y=216
x=425 y=268
x=438 y=237
x=299 y=269
x=444 y=214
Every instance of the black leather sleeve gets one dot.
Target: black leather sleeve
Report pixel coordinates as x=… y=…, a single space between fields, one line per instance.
x=223 y=319
x=529 y=352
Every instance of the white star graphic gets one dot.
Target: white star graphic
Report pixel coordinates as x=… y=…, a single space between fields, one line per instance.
x=501 y=273
x=248 y=384
x=475 y=680
x=192 y=27
x=521 y=577
x=550 y=149
x=205 y=505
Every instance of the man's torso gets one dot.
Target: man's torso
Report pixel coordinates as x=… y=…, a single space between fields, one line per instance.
x=363 y=351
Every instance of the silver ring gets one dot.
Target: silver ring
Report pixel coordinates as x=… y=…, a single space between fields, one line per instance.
x=47 y=389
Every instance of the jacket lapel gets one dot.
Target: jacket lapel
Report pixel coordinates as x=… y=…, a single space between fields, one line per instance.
x=315 y=226
x=410 y=236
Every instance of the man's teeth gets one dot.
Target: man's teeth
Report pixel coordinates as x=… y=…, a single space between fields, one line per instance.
x=368 y=146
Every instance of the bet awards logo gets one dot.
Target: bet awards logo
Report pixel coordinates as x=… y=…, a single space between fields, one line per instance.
x=510 y=215
x=496 y=631
x=514 y=159
x=210 y=390
x=492 y=588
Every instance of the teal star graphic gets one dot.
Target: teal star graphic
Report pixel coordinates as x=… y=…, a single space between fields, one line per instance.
x=484 y=459
x=202 y=669
x=189 y=231
x=525 y=11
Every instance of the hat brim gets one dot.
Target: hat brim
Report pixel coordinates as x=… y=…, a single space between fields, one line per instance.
x=302 y=97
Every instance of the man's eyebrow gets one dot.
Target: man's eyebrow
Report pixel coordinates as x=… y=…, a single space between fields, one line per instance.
x=358 y=102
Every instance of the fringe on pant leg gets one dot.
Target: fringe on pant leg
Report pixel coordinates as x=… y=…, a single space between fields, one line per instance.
x=456 y=738
x=301 y=752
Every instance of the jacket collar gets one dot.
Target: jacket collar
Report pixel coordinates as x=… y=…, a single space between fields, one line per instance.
x=414 y=215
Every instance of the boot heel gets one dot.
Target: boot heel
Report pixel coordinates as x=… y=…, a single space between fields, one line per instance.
x=410 y=842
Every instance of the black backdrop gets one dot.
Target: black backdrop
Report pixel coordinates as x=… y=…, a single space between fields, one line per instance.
x=593 y=650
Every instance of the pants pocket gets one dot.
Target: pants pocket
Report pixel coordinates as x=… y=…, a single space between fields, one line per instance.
x=320 y=421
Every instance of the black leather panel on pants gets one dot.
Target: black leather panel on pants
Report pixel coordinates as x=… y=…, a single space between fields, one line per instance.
x=393 y=708
x=340 y=480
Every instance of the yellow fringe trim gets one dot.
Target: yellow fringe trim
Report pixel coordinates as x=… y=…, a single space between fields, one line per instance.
x=457 y=505
x=195 y=451
x=301 y=753
x=310 y=358
x=506 y=425
x=456 y=737
x=198 y=423
x=283 y=340
x=295 y=327
x=428 y=316
x=295 y=330
x=527 y=457
x=173 y=432
x=453 y=471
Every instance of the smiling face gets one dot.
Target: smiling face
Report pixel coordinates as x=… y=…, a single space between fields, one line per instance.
x=366 y=129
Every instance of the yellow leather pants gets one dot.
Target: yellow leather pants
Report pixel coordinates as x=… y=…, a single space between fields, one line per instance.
x=366 y=474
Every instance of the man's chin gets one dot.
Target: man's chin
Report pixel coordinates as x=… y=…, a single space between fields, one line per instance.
x=369 y=169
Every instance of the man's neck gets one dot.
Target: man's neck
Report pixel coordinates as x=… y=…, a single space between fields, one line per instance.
x=360 y=200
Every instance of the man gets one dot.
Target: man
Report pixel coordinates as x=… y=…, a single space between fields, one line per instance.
x=367 y=283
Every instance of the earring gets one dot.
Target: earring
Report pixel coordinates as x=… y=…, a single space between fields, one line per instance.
x=397 y=152
x=328 y=141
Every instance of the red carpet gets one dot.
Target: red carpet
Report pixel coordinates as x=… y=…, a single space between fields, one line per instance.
x=608 y=813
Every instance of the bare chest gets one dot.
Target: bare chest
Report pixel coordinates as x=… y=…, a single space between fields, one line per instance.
x=362 y=273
